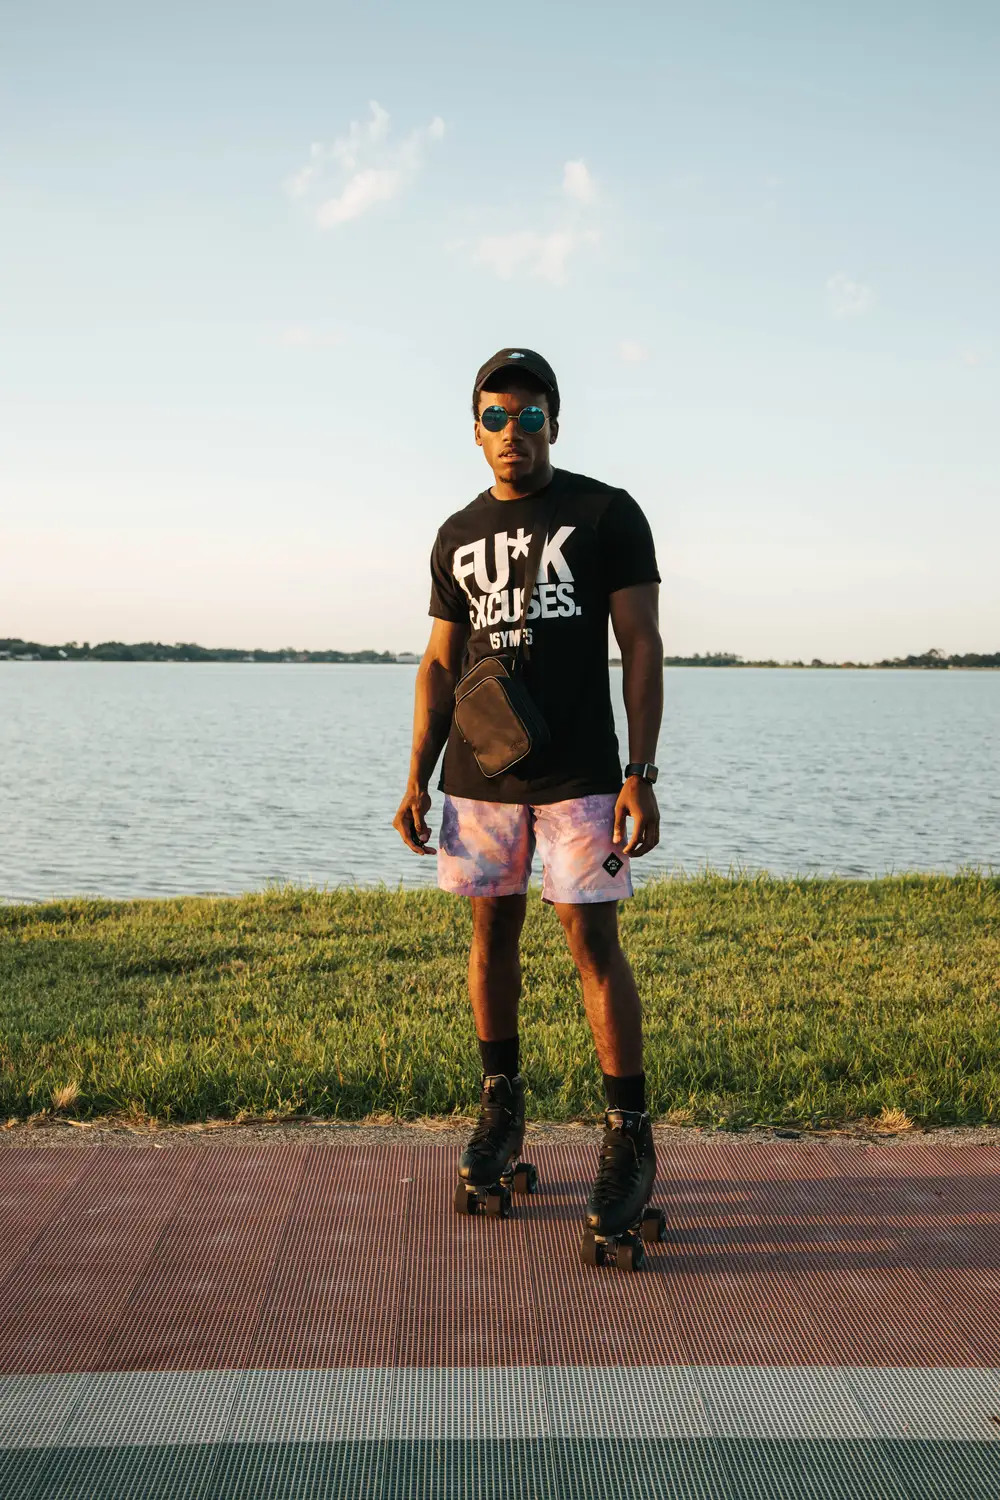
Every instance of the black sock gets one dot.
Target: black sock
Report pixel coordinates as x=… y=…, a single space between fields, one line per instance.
x=501 y=1057
x=626 y=1093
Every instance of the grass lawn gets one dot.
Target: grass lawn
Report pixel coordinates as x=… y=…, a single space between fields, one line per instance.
x=809 y=1002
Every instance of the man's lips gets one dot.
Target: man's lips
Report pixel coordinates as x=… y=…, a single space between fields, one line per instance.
x=513 y=453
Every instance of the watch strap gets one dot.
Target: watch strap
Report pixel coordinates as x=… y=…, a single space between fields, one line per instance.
x=642 y=768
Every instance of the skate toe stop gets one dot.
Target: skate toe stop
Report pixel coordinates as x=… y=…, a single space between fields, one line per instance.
x=525 y=1178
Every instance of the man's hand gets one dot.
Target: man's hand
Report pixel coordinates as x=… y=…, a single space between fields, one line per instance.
x=637 y=801
x=409 y=820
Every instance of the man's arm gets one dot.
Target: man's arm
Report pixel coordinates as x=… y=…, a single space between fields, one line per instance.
x=635 y=621
x=432 y=708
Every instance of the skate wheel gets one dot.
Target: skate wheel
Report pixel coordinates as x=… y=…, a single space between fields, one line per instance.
x=498 y=1204
x=592 y=1249
x=654 y=1226
x=525 y=1178
x=630 y=1255
x=465 y=1200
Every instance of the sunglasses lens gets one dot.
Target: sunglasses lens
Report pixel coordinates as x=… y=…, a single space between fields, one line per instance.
x=532 y=419
x=494 y=418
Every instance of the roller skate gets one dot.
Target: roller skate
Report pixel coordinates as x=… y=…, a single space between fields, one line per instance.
x=490 y=1168
x=619 y=1218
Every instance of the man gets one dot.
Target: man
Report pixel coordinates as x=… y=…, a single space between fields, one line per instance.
x=598 y=561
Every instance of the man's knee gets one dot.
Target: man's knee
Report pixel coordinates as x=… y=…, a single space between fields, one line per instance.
x=497 y=922
x=592 y=931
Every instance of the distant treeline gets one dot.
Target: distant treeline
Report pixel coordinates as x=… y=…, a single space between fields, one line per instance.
x=18 y=650
x=933 y=660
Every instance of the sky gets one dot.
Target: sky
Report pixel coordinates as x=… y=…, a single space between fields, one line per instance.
x=251 y=256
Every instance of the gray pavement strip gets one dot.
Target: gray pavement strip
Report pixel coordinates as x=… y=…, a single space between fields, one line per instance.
x=533 y=1402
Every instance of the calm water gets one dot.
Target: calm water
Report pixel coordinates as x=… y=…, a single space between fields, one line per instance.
x=127 y=780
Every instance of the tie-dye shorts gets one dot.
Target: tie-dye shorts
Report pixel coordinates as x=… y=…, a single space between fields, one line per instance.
x=486 y=848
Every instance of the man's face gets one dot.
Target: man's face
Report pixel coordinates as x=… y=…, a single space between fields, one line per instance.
x=513 y=454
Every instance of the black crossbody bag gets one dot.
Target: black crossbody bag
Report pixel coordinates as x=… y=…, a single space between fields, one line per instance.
x=494 y=711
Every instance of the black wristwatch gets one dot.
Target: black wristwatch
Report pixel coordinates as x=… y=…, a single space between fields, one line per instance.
x=642 y=768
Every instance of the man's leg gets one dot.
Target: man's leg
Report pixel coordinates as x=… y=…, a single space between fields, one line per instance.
x=627 y=1164
x=495 y=979
x=494 y=989
x=585 y=875
x=484 y=852
x=610 y=997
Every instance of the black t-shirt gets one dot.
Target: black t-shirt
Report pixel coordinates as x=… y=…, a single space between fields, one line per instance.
x=599 y=541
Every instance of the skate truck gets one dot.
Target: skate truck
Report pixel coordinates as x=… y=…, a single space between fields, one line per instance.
x=494 y=1198
x=625 y=1250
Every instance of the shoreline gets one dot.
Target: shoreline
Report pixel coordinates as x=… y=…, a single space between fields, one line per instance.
x=411 y=660
x=677 y=876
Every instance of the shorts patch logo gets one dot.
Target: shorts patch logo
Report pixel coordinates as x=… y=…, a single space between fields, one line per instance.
x=612 y=864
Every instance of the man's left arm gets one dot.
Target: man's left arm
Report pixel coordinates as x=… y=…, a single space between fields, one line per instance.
x=635 y=621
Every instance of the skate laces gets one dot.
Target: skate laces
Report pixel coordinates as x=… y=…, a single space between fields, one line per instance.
x=495 y=1117
x=619 y=1158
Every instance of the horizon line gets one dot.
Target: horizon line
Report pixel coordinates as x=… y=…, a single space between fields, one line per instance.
x=15 y=648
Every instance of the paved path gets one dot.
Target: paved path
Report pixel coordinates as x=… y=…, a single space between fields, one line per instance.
x=315 y=1320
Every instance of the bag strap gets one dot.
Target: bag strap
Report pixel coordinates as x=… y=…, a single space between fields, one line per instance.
x=539 y=536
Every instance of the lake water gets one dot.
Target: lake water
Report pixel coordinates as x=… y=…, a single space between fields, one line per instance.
x=151 y=780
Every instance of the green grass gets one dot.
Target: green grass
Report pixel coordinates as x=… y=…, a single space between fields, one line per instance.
x=767 y=1001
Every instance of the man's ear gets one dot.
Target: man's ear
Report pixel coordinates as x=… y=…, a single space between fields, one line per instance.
x=553 y=429
x=479 y=435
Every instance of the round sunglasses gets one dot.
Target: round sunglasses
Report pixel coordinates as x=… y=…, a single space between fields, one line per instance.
x=529 y=418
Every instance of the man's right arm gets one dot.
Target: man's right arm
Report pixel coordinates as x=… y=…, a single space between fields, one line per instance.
x=432 y=709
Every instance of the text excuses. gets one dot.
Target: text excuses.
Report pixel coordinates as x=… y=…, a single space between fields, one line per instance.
x=498 y=604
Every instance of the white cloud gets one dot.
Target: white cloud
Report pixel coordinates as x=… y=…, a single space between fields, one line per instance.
x=343 y=180
x=524 y=251
x=632 y=352
x=847 y=298
x=546 y=253
x=363 y=191
x=578 y=183
x=348 y=150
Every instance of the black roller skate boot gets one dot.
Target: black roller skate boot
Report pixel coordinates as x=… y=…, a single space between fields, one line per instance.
x=490 y=1168
x=618 y=1216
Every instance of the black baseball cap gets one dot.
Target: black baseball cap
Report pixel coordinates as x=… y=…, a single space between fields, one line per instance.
x=518 y=359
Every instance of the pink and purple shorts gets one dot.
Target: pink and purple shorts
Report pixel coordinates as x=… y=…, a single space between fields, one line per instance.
x=486 y=848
